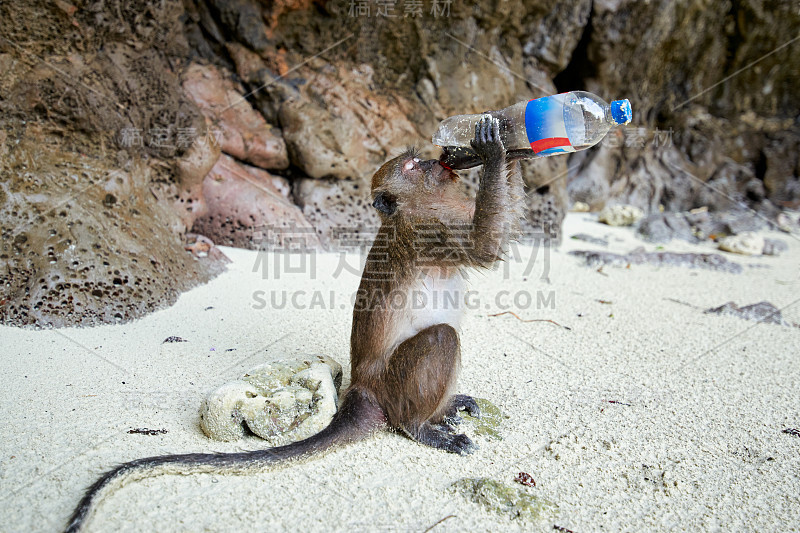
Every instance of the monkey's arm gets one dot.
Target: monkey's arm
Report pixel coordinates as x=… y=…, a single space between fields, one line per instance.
x=495 y=211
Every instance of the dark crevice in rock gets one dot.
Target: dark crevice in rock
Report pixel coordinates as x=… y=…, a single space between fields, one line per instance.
x=735 y=37
x=241 y=21
x=579 y=68
x=760 y=167
x=206 y=39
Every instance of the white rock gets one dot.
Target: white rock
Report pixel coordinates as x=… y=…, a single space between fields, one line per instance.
x=580 y=207
x=747 y=243
x=620 y=215
x=282 y=401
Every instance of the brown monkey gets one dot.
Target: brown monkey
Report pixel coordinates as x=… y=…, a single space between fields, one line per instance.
x=405 y=351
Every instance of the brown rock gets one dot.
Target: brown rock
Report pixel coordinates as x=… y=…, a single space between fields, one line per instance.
x=337 y=125
x=247 y=207
x=248 y=64
x=89 y=178
x=192 y=169
x=91 y=245
x=337 y=209
x=243 y=132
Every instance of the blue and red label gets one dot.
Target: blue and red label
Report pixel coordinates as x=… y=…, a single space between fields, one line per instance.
x=544 y=124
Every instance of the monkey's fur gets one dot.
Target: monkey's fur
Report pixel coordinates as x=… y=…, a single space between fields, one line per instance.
x=404 y=358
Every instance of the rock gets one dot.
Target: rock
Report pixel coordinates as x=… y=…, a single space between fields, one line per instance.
x=91 y=172
x=696 y=225
x=580 y=207
x=243 y=20
x=782 y=155
x=337 y=126
x=247 y=207
x=747 y=243
x=640 y=257
x=243 y=132
x=336 y=208
x=703 y=225
x=553 y=38
x=694 y=141
x=760 y=312
x=588 y=238
x=726 y=187
x=786 y=223
x=546 y=199
x=91 y=245
x=738 y=221
x=282 y=401
x=620 y=215
x=663 y=227
x=201 y=246
x=774 y=247
x=734 y=124
x=588 y=176
x=512 y=501
x=192 y=168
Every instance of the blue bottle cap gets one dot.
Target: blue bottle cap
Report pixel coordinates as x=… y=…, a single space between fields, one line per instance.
x=621 y=111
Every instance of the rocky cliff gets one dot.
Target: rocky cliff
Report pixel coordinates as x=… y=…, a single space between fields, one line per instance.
x=125 y=125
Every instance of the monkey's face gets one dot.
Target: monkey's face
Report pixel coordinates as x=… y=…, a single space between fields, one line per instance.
x=409 y=179
x=429 y=175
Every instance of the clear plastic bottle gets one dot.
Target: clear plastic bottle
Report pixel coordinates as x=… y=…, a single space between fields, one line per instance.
x=547 y=126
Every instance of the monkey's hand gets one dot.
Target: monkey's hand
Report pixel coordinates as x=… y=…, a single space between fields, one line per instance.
x=487 y=143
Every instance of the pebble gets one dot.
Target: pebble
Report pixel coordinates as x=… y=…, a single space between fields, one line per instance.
x=620 y=215
x=747 y=243
x=282 y=401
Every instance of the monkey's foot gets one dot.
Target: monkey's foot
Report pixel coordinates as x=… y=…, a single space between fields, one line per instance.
x=438 y=437
x=463 y=402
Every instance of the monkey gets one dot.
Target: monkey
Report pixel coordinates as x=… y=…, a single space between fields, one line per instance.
x=404 y=358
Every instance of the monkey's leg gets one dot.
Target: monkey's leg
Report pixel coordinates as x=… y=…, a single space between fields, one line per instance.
x=420 y=373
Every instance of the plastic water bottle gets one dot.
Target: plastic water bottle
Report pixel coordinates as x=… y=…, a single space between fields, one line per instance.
x=557 y=124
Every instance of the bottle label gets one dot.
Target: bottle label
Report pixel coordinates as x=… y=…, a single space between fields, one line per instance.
x=544 y=124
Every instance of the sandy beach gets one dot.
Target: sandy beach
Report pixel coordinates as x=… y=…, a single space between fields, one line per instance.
x=645 y=415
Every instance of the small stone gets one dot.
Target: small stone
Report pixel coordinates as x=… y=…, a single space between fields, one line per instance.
x=514 y=502
x=774 y=247
x=620 y=215
x=282 y=401
x=640 y=257
x=747 y=243
x=760 y=312
x=580 y=207
x=588 y=238
x=785 y=222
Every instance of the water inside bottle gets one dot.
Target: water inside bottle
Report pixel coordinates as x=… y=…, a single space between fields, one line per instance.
x=585 y=120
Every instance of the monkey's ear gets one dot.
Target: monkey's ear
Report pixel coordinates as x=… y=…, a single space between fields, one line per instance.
x=385 y=203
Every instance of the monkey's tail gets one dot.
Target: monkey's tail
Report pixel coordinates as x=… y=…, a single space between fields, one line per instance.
x=358 y=416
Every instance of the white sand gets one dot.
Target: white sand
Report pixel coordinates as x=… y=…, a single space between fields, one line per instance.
x=700 y=445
